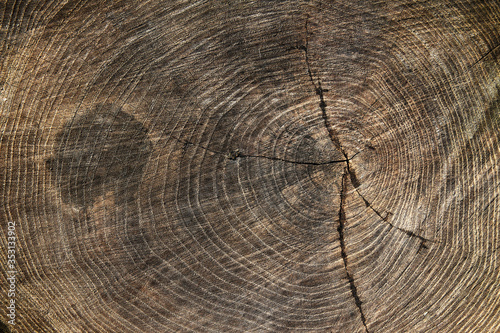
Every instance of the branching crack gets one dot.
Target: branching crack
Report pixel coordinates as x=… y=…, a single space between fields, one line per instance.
x=336 y=142
x=349 y=174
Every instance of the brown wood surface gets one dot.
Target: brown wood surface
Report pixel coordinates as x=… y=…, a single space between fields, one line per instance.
x=251 y=166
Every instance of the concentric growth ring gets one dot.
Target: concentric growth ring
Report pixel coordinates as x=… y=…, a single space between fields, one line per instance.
x=208 y=166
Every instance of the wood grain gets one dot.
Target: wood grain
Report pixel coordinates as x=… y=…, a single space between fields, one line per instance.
x=251 y=166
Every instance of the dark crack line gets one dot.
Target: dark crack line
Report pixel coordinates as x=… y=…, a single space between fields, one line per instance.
x=355 y=183
x=305 y=49
x=386 y=217
x=322 y=104
x=484 y=56
x=348 y=174
x=340 y=229
x=293 y=162
x=234 y=155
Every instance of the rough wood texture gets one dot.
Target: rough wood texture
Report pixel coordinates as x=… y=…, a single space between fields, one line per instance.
x=251 y=166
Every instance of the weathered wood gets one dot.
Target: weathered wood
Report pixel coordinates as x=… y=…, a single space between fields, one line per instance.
x=212 y=166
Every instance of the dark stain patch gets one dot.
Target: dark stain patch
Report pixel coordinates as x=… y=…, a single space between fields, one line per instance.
x=104 y=149
x=4 y=328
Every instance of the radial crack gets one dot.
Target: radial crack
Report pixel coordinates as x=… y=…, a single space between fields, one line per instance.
x=319 y=91
x=485 y=55
x=293 y=162
x=235 y=154
x=386 y=220
x=355 y=182
x=340 y=229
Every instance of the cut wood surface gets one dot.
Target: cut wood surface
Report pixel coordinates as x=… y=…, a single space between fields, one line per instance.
x=250 y=166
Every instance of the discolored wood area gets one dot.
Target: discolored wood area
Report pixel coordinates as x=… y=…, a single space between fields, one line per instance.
x=251 y=166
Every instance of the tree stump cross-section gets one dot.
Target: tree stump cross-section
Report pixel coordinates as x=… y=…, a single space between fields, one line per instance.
x=249 y=166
